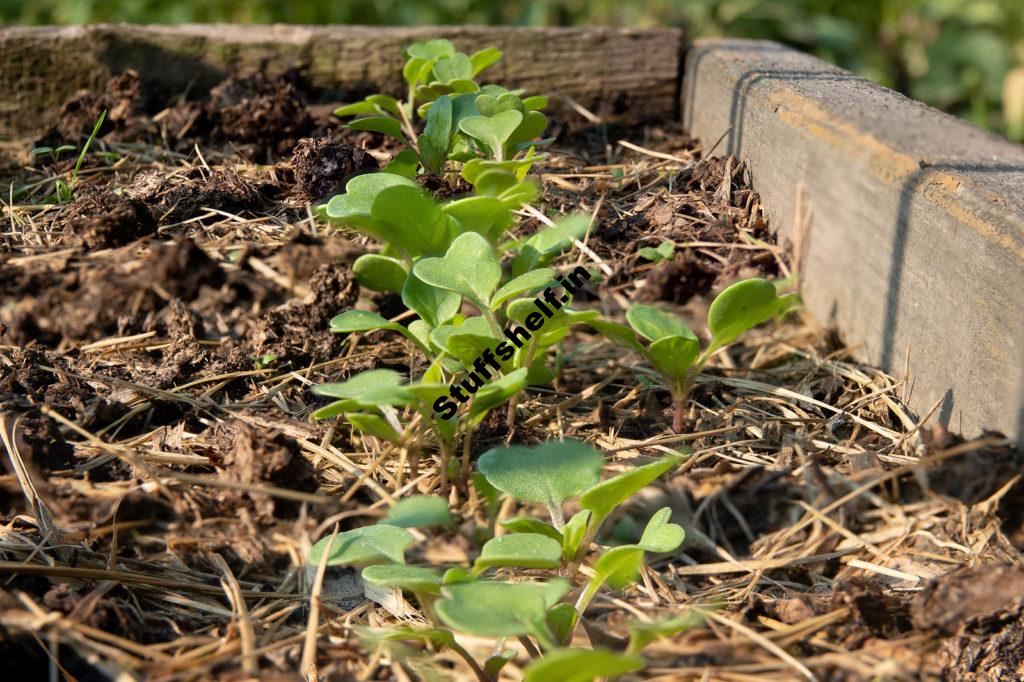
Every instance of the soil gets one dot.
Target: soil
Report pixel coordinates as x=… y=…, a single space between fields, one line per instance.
x=161 y=332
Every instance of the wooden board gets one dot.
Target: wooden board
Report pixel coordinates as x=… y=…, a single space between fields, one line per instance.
x=632 y=73
x=916 y=245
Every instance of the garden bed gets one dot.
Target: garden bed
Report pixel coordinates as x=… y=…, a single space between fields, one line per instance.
x=161 y=332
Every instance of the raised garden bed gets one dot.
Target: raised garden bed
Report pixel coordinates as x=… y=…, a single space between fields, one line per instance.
x=164 y=325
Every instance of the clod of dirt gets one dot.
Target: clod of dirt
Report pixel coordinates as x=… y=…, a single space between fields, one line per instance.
x=298 y=331
x=874 y=612
x=982 y=608
x=678 y=280
x=178 y=197
x=100 y=219
x=263 y=457
x=322 y=167
x=79 y=113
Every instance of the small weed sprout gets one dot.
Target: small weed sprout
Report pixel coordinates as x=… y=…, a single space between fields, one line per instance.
x=468 y=600
x=672 y=348
x=65 y=190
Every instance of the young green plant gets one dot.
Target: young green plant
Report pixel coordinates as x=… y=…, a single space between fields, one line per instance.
x=674 y=351
x=471 y=600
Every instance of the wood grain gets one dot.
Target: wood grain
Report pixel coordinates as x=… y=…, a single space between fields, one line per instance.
x=629 y=73
x=916 y=245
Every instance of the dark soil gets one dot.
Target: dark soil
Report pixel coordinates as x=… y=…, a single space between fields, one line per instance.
x=160 y=335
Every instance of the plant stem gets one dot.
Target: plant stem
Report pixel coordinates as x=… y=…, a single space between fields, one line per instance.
x=480 y=674
x=467 y=442
x=530 y=648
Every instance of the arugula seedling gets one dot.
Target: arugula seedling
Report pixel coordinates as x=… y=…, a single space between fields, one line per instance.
x=461 y=116
x=466 y=600
x=673 y=349
x=663 y=251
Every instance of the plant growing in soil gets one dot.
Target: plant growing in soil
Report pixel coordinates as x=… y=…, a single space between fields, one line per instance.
x=463 y=119
x=63 y=189
x=487 y=359
x=468 y=600
x=674 y=351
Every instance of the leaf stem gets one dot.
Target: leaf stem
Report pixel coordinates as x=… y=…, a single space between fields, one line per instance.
x=477 y=670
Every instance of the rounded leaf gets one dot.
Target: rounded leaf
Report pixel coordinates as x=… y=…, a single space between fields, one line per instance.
x=520 y=550
x=581 y=665
x=408 y=578
x=742 y=306
x=498 y=609
x=653 y=323
x=419 y=511
x=661 y=535
x=361 y=546
x=548 y=473
x=379 y=273
x=673 y=356
x=470 y=267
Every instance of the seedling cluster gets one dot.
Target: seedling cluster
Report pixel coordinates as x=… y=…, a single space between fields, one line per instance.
x=490 y=313
x=522 y=583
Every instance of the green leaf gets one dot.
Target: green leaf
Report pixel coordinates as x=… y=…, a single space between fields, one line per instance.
x=653 y=324
x=379 y=273
x=470 y=267
x=485 y=58
x=525 y=524
x=492 y=131
x=533 y=126
x=618 y=567
x=454 y=67
x=742 y=306
x=433 y=304
x=364 y=321
x=496 y=393
x=494 y=664
x=498 y=609
x=415 y=579
x=366 y=545
x=385 y=125
x=673 y=356
x=374 y=425
x=545 y=244
x=438 y=638
x=643 y=633
x=663 y=251
x=619 y=334
x=580 y=665
x=487 y=216
x=661 y=536
x=437 y=135
x=524 y=283
x=548 y=473
x=371 y=381
x=412 y=221
x=520 y=550
x=573 y=533
x=535 y=103
x=419 y=511
x=429 y=49
x=354 y=206
x=404 y=163
x=561 y=620
x=607 y=495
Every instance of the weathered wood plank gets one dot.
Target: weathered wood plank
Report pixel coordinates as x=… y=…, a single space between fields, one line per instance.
x=916 y=246
x=609 y=71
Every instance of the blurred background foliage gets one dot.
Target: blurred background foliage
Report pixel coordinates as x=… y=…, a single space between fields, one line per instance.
x=963 y=56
